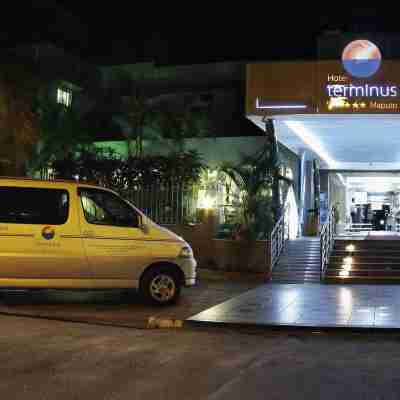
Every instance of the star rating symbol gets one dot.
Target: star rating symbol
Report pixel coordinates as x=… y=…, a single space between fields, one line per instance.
x=355 y=105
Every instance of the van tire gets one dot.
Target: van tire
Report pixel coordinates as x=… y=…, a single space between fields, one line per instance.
x=160 y=285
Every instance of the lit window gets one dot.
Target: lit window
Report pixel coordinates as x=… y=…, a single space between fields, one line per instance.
x=64 y=96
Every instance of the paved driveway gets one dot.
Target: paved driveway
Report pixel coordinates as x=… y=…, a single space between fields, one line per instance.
x=313 y=305
x=124 y=308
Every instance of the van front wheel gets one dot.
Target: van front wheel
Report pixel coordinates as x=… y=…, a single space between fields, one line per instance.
x=160 y=286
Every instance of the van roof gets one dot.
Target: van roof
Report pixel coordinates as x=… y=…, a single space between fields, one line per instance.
x=47 y=181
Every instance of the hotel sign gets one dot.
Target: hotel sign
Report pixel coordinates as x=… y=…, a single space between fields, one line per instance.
x=361 y=82
x=350 y=76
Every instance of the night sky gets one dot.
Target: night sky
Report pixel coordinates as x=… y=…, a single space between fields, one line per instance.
x=116 y=33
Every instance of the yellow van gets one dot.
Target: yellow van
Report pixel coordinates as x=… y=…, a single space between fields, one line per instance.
x=65 y=234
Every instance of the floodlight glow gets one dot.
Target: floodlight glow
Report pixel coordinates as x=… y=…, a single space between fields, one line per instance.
x=344 y=274
x=206 y=201
x=309 y=139
x=350 y=248
x=346 y=267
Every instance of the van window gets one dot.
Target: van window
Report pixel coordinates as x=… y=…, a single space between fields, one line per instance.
x=104 y=208
x=33 y=206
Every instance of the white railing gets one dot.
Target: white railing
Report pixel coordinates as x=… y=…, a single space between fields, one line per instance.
x=327 y=240
x=278 y=238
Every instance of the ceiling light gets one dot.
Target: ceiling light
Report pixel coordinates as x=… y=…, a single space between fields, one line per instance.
x=308 y=138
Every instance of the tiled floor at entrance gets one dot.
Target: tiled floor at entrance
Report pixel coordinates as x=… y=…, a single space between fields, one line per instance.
x=311 y=305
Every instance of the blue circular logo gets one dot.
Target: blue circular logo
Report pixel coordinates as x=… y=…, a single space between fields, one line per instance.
x=48 y=233
x=361 y=58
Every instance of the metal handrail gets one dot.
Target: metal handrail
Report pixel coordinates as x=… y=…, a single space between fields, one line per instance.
x=278 y=237
x=327 y=240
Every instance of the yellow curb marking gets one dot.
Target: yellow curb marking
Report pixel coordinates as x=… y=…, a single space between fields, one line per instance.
x=154 y=322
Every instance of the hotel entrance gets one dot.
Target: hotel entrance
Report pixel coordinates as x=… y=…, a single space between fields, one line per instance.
x=340 y=115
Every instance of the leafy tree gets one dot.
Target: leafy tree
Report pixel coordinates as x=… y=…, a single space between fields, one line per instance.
x=18 y=120
x=62 y=131
x=181 y=125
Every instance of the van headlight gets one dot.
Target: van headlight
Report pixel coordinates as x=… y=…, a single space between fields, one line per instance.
x=186 y=252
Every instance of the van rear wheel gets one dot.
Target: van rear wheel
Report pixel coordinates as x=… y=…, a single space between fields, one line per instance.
x=160 y=286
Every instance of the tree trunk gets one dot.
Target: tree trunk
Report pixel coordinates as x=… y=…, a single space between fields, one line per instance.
x=20 y=159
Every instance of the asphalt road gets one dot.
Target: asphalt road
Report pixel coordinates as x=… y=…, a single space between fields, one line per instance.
x=43 y=359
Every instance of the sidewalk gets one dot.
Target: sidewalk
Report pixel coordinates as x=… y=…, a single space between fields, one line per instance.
x=122 y=308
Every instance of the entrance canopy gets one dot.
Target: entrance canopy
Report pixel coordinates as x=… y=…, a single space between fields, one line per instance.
x=342 y=142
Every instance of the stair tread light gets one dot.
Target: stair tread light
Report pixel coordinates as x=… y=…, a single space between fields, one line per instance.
x=348 y=260
x=350 y=248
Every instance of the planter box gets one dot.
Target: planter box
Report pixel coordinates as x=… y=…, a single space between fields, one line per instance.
x=240 y=255
x=224 y=254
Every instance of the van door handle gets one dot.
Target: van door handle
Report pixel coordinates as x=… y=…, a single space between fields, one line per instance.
x=88 y=233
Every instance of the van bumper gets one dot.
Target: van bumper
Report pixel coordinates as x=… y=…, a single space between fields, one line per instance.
x=188 y=266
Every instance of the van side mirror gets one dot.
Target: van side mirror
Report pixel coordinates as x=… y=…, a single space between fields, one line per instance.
x=144 y=228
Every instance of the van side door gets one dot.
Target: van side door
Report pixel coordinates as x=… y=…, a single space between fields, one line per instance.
x=115 y=245
x=39 y=234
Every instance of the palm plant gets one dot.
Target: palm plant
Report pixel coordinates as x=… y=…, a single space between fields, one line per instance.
x=255 y=178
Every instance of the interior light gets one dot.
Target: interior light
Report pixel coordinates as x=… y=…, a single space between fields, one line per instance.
x=350 y=248
x=308 y=138
x=344 y=274
x=377 y=183
x=346 y=267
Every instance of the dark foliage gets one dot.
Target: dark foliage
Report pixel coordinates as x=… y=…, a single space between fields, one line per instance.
x=104 y=167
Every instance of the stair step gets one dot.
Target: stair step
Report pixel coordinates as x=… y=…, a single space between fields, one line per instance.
x=299 y=262
x=302 y=252
x=296 y=276
x=305 y=259
x=304 y=245
x=294 y=281
x=298 y=268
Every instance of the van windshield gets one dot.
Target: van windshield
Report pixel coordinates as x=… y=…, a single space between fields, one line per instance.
x=105 y=208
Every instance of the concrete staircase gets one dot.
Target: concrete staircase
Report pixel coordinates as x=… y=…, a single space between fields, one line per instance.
x=367 y=261
x=299 y=262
